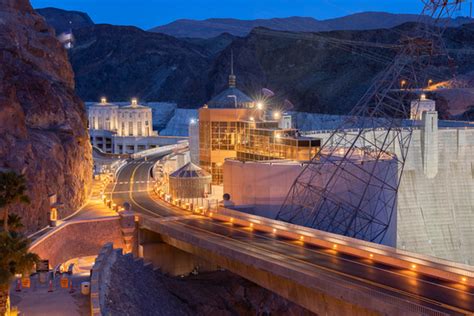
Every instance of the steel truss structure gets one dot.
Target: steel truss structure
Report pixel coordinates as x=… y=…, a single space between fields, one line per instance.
x=350 y=187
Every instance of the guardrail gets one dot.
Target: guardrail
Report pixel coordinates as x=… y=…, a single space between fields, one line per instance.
x=356 y=130
x=96 y=277
x=160 y=150
x=401 y=259
x=323 y=282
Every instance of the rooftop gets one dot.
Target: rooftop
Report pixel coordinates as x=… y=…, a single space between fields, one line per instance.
x=190 y=170
x=230 y=98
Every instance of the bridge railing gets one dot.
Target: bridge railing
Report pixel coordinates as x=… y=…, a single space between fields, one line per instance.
x=323 y=282
x=401 y=259
x=435 y=267
x=160 y=150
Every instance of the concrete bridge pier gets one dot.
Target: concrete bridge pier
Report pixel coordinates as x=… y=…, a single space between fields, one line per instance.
x=170 y=260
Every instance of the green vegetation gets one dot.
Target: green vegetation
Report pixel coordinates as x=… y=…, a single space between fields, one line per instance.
x=15 y=257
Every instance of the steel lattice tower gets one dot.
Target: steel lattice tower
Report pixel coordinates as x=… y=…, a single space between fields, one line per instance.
x=350 y=187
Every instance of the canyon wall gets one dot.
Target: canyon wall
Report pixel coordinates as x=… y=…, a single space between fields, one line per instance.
x=43 y=130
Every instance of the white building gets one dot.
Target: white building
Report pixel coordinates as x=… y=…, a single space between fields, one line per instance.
x=123 y=129
x=418 y=107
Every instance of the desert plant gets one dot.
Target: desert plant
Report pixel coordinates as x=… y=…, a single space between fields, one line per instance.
x=12 y=190
x=15 y=258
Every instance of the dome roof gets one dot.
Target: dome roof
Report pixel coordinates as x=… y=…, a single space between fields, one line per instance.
x=190 y=170
x=225 y=99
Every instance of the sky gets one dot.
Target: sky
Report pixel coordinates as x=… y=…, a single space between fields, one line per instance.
x=150 y=13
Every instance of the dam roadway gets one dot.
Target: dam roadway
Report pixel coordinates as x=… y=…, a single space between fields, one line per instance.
x=134 y=185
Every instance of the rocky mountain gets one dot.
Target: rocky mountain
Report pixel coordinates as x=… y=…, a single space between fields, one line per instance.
x=213 y=45
x=63 y=20
x=359 y=21
x=122 y=62
x=43 y=122
x=325 y=72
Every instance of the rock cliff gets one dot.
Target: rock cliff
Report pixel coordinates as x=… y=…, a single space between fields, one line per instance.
x=63 y=20
x=122 y=62
x=43 y=123
x=150 y=292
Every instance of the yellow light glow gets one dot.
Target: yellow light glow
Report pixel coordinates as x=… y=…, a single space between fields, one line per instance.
x=403 y=83
x=413 y=266
x=334 y=246
x=276 y=115
x=274 y=230
x=260 y=105
x=210 y=214
x=252 y=118
x=103 y=100
x=423 y=96
x=371 y=255
x=464 y=279
x=134 y=101
x=251 y=225
x=301 y=238
x=231 y=219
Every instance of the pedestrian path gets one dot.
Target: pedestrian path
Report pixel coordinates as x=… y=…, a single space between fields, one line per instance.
x=45 y=299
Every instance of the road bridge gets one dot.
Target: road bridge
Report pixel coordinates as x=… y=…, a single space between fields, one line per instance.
x=326 y=273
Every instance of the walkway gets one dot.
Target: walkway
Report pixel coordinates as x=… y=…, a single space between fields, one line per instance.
x=38 y=301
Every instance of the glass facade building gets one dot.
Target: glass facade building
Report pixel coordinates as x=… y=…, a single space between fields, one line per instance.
x=243 y=134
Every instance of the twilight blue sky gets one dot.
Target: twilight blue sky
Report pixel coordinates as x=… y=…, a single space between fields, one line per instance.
x=150 y=13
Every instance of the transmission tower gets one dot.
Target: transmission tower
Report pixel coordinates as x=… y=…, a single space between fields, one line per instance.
x=350 y=187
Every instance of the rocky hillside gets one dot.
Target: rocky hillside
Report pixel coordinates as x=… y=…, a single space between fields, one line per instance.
x=319 y=72
x=62 y=20
x=211 y=293
x=359 y=21
x=323 y=72
x=122 y=62
x=43 y=123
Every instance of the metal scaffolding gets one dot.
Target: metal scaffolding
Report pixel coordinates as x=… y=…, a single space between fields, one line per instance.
x=350 y=187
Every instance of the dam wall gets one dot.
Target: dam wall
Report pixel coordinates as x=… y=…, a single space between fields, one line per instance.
x=435 y=211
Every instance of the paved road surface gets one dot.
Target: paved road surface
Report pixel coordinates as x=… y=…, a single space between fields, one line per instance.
x=134 y=186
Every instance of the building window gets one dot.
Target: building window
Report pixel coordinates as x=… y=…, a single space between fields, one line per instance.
x=130 y=128
x=122 y=132
x=146 y=123
x=139 y=128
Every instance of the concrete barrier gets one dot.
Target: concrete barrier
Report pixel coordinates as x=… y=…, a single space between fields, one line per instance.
x=96 y=275
x=79 y=238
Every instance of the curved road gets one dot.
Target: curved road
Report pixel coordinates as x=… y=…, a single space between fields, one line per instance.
x=134 y=185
